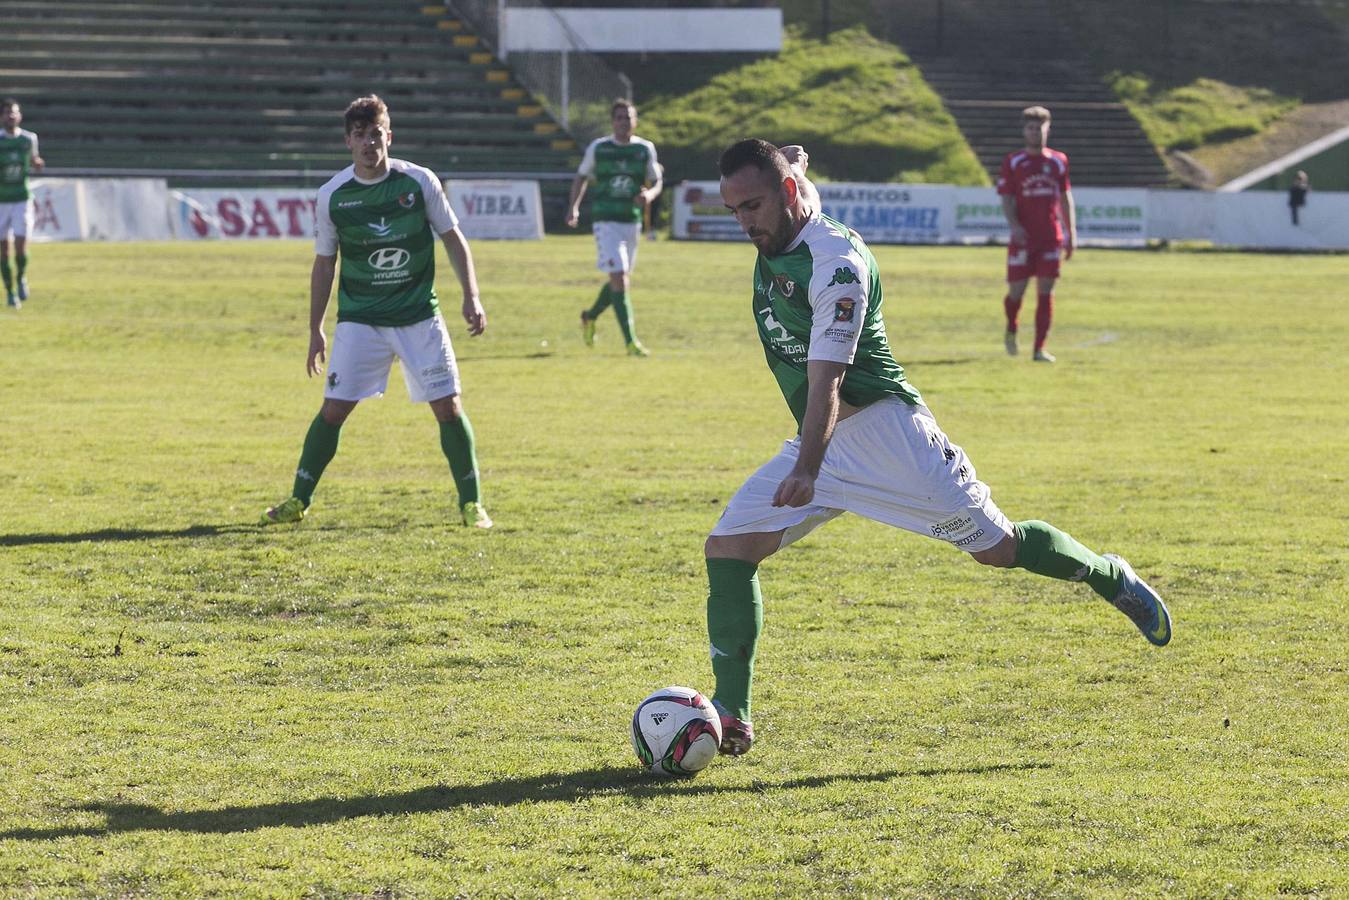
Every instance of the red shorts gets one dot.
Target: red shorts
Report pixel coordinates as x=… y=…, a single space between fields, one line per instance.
x=1023 y=262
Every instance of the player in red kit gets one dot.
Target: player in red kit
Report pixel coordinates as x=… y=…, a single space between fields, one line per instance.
x=1038 y=202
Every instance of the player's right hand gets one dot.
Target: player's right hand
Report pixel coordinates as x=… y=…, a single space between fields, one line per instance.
x=318 y=353
x=796 y=156
x=1019 y=235
x=573 y=217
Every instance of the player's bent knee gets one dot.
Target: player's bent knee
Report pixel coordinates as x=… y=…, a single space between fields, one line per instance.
x=751 y=548
x=335 y=412
x=447 y=409
x=1001 y=555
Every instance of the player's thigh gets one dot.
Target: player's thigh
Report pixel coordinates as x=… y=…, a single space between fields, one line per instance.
x=1046 y=263
x=13 y=220
x=1019 y=269
x=1045 y=285
x=427 y=356
x=615 y=246
x=751 y=510
x=358 y=364
x=892 y=463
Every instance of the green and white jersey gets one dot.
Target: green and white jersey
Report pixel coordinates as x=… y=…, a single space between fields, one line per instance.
x=16 y=160
x=618 y=172
x=387 y=231
x=820 y=299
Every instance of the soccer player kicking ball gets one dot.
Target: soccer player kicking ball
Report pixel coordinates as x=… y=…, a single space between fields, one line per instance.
x=1036 y=195
x=18 y=157
x=866 y=443
x=619 y=165
x=384 y=215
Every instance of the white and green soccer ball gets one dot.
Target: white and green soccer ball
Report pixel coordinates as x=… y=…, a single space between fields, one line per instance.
x=676 y=732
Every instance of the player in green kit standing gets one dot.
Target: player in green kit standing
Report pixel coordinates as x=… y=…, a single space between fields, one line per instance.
x=384 y=215
x=866 y=442
x=18 y=158
x=619 y=165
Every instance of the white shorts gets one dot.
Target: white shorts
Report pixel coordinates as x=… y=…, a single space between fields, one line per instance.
x=16 y=217
x=358 y=366
x=617 y=245
x=891 y=463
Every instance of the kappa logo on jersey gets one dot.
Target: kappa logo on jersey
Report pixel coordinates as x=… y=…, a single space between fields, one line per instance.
x=347 y=204
x=380 y=228
x=844 y=275
x=843 y=310
x=785 y=285
x=387 y=258
x=408 y=200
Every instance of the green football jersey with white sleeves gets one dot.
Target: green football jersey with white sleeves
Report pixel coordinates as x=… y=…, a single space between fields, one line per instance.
x=387 y=232
x=618 y=172
x=820 y=299
x=16 y=161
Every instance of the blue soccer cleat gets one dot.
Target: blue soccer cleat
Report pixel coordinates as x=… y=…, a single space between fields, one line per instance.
x=1141 y=604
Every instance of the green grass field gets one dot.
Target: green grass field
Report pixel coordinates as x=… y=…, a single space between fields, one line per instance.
x=378 y=703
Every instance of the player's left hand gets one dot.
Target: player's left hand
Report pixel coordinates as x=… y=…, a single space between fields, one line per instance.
x=643 y=199
x=1068 y=247
x=37 y=164
x=797 y=489
x=475 y=316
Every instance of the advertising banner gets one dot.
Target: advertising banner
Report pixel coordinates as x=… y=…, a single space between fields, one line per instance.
x=58 y=210
x=510 y=210
x=243 y=213
x=1106 y=217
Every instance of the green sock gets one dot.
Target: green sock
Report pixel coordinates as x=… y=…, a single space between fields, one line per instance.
x=734 y=620
x=22 y=260
x=1043 y=549
x=624 y=312
x=320 y=444
x=601 y=303
x=456 y=440
x=4 y=273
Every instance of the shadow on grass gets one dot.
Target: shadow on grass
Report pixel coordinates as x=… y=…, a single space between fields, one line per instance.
x=558 y=787
x=111 y=535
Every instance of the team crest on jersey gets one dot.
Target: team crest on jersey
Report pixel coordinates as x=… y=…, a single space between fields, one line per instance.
x=843 y=310
x=408 y=200
x=785 y=285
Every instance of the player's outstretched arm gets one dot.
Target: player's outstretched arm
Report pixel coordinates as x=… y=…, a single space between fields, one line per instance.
x=817 y=427
x=461 y=257
x=320 y=289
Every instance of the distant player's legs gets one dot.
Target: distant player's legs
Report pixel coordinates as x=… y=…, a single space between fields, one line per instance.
x=1044 y=315
x=1018 y=275
x=21 y=264
x=5 y=272
x=458 y=444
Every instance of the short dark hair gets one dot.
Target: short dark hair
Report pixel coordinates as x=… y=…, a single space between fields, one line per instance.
x=621 y=103
x=366 y=110
x=757 y=153
x=7 y=102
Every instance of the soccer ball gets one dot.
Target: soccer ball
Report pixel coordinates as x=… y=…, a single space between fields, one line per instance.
x=676 y=732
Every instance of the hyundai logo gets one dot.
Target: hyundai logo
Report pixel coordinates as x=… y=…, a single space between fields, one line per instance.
x=389 y=258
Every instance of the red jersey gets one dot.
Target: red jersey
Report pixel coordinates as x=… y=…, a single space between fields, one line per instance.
x=1038 y=182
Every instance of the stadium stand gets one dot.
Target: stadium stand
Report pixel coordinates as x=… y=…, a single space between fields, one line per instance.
x=988 y=59
x=257 y=87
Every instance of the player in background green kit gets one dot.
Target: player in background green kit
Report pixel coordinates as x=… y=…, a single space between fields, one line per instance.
x=18 y=158
x=619 y=165
x=385 y=216
x=866 y=443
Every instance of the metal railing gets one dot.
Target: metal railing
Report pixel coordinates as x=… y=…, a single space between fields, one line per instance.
x=574 y=84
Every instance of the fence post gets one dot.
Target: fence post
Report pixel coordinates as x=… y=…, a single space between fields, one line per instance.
x=566 y=91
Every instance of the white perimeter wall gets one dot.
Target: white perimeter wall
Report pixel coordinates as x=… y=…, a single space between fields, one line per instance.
x=642 y=30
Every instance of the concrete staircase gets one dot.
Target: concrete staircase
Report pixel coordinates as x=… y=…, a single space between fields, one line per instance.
x=187 y=86
x=989 y=59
